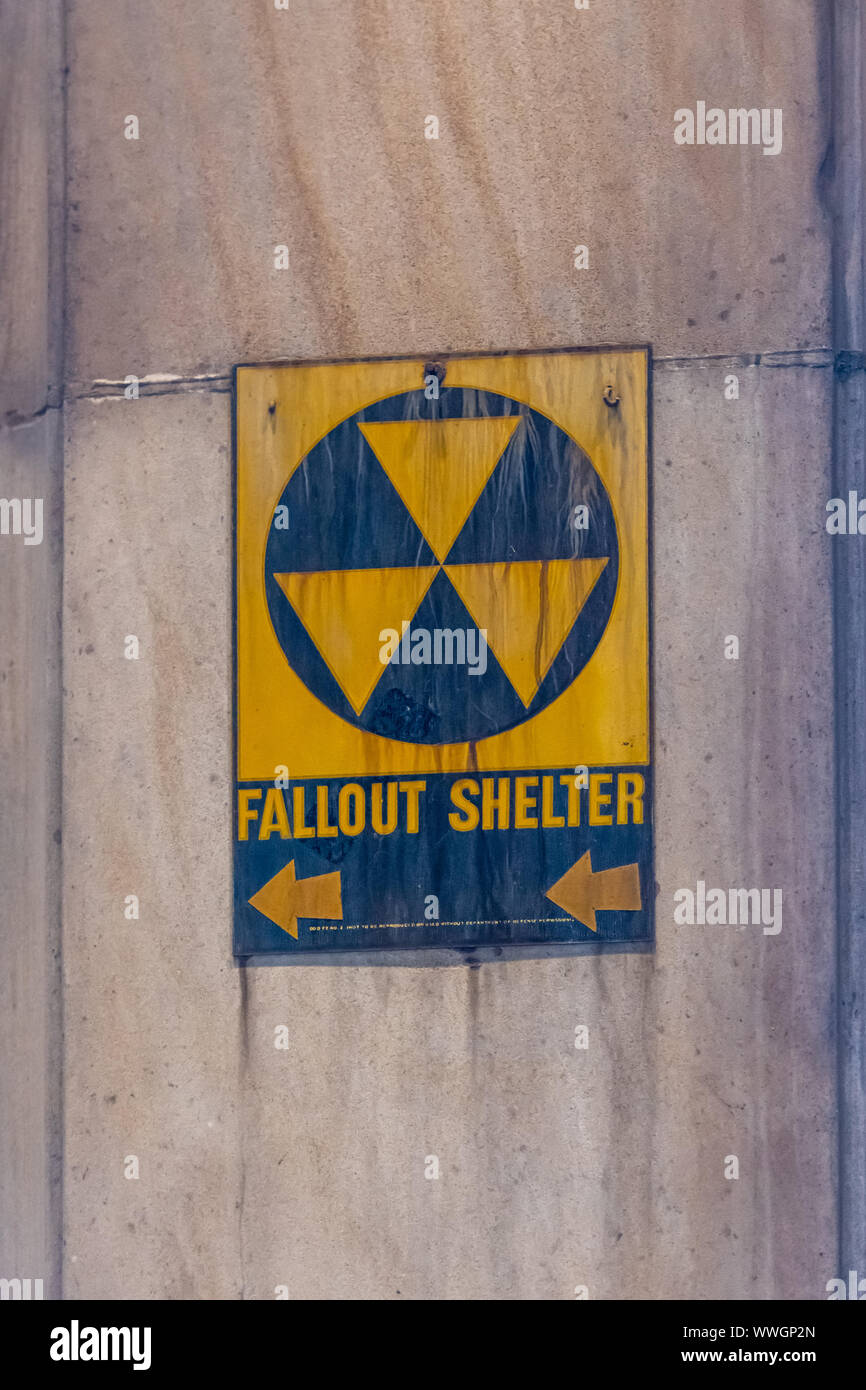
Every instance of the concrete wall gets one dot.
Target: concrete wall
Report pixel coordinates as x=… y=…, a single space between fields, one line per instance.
x=31 y=372
x=259 y=1167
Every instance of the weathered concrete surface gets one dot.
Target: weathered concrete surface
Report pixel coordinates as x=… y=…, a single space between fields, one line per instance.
x=305 y=128
x=153 y=1021
x=262 y=1168
x=31 y=1022
x=745 y=797
x=31 y=150
x=849 y=316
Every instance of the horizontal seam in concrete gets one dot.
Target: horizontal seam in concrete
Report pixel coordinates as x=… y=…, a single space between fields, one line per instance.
x=801 y=357
x=166 y=384
x=845 y=362
x=14 y=421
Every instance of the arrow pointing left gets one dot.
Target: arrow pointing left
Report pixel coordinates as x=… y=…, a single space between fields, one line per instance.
x=285 y=898
x=583 y=892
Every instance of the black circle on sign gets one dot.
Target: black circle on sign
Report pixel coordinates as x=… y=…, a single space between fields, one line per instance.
x=345 y=514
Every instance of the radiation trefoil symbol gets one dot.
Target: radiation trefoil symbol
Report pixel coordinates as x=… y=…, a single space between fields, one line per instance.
x=446 y=516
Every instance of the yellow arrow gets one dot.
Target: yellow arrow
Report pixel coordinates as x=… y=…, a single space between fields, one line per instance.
x=285 y=898
x=583 y=893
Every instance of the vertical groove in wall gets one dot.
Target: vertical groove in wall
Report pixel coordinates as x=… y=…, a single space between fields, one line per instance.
x=57 y=290
x=849 y=579
x=32 y=194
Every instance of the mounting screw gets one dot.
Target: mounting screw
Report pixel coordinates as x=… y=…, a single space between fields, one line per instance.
x=610 y=398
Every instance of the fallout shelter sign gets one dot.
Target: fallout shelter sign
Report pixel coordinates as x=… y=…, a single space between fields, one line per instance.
x=442 y=653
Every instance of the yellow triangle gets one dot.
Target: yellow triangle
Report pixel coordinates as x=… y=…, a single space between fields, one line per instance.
x=439 y=467
x=528 y=608
x=345 y=610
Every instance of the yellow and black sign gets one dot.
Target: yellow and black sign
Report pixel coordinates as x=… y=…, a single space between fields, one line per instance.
x=442 y=652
